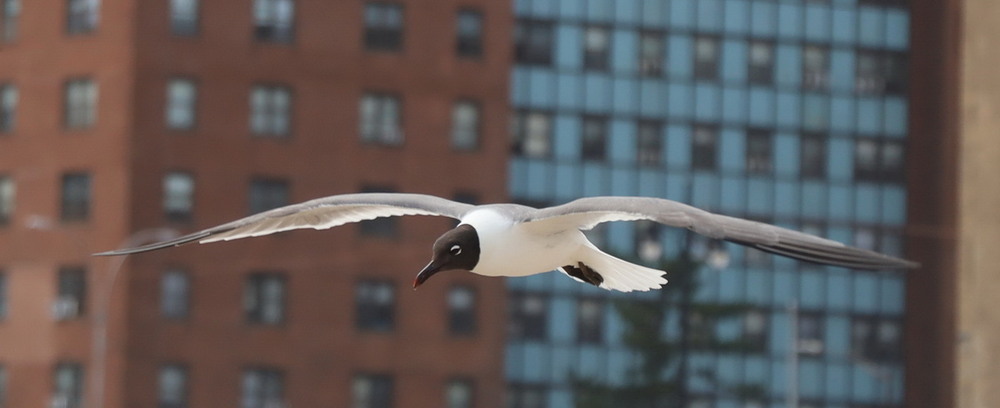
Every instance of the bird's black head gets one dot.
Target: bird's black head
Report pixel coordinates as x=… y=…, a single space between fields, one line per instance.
x=456 y=249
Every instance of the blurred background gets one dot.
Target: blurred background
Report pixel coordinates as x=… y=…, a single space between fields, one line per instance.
x=123 y=122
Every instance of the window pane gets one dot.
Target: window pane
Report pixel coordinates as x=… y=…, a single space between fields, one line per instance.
x=461 y=310
x=528 y=317
x=372 y=391
x=3 y=300
x=264 y=298
x=173 y=386
x=459 y=393
x=71 y=295
x=704 y=147
x=175 y=286
x=596 y=46
x=532 y=132
x=706 y=58
x=8 y=195
x=266 y=194
x=651 y=54
x=650 y=140
x=10 y=10
x=465 y=125
x=75 y=201
x=593 y=144
x=82 y=16
x=813 y=156
x=184 y=17
x=68 y=381
x=470 y=33
x=274 y=20
x=533 y=42
x=380 y=120
x=181 y=99
x=375 y=305
x=80 y=103
x=759 y=148
x=178 y=196
x=589 y=320
x=383 y=26
x=270 y=108
x=815 y=67
x=8 y=107
x=761 y=68
x=263 y=388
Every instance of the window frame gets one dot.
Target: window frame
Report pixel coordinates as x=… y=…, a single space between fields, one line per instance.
x=381 y=33
x=257 y=300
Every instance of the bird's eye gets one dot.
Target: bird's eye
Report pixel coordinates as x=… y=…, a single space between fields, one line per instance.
x=455 y=249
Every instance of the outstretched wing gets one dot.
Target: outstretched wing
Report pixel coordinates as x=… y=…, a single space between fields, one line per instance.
x=321 y=213
x=585 y=213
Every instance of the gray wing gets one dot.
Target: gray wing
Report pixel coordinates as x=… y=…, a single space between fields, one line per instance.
x=585 y=213
x=321 y=213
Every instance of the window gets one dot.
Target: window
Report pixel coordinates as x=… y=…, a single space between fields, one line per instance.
x=263 y=388
x=815 y=67
x=173 y=383
x=465 y=125
x=184 y=17
x=810 y=334
x=876 y=160
x=648 y=246
x=274 y=20
x=264 y=298
x=182 y=98
x=382 y=227
x=651 y=54
x=383 y=26
x=459 y=393
x=759 y=151
x=526 y=395
x=3 y=385
x=813 y=156
x=533 y=42
x=701 y=328
x=82 y=15
x=706 y=58
x=755 y=330
x=68 y=381
x=178 y=196
x=469 y=36
x=375 y=305
x=8 y=107
x=8 y=193
x=381 y=119
x=596 y=48
x=528 y=316
x=875 y=339
x=589 y=320
x=71 y=293
x=461 y=310
x=532 y=134
x=372 y=391
x=3 y=299
x=761 y=66
x=270 y=110
x=75 y=199
x=866 y=238
x=704 y=146
x=175 y=294
x=649 y=151
x=880 y=72
x=80 y=103
x=10 y=10
x=593 y=140
x=266 y=194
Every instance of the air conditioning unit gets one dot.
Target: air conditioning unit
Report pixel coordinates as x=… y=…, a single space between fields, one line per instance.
x=65 y=308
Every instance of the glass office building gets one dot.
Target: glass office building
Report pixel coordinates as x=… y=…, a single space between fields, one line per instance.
x=791 y=112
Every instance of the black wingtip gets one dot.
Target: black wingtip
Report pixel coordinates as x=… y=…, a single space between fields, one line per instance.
x=156 y=245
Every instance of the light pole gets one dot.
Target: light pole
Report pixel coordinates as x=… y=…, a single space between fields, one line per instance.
x=99 y=344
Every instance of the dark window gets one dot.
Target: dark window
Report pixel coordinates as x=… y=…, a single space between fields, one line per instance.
x=10 y=10
x=383 y=227
x=274 y=20
x=465 y=125
x=383 y=26
x=650 y=143
x=594 y=138
x=596 y=48
x=375 y=305
x=75 y=197
x=71 y=293
x=700 y=329
x=761 y=63
x=755 y=330
x=173 y=386
x=3 y=297
x=813 y=156
x=704 y=147
x=266 y=194
x=759 y=151
x=8 y=107
x=469 y=33
x=182 y=98
x=880 y=72
x=8 y=195
x=533 y=42
x=589 y=320
x=815 y=67
x=80 y=101
x=372 y=391
x=706 y=58
x=175 y=294
x=876 y=339
x=651 y=53
x=82 y=16
x=461 y=310
x=528 y=316
x=68 y=385
x=532 y=134
x=3 y=385
x=178 y=196
x=459 y=393
x=270 y=110
x=263 y=388
x=381 y=119
x=648 y=244
x=526 y=395
x=878 y=160
x=810 y=334
x=264 y=298
x=184 y=17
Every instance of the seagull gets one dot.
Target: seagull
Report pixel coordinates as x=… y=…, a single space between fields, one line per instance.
x=516 y=240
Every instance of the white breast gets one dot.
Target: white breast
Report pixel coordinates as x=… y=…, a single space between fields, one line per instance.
x=508 y=249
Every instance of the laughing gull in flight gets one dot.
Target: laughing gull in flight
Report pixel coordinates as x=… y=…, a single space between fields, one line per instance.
x=517 y=240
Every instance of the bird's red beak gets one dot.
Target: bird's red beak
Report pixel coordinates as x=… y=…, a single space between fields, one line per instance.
x=426 y=273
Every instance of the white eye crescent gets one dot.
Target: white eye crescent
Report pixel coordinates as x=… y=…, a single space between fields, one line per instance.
x=455 y=249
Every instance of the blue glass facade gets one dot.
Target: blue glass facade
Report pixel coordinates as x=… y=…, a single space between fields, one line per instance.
x=791 y=112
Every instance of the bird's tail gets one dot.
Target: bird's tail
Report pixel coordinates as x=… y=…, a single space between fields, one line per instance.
x=614 y=273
